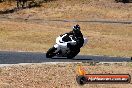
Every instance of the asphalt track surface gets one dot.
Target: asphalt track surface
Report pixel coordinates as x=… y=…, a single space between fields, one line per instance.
x=10 y=57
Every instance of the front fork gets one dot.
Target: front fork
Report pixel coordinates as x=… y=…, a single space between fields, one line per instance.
x=57 y=48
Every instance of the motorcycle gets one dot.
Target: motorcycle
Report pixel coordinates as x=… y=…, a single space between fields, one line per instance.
x=60 y=49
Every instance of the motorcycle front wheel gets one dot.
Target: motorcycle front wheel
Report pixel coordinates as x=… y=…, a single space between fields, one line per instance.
x=50 y=53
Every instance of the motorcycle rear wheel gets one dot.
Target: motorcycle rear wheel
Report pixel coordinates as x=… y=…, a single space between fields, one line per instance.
x=72 y=54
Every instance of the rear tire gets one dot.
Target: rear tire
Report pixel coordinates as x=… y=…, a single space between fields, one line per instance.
x=72 y=54
x=50 y=53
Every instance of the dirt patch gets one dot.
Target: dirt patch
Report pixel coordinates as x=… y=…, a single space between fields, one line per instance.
x=58 y=75
x=71 y=9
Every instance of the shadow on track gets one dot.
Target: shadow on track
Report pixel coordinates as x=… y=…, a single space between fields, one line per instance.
x=76 y=58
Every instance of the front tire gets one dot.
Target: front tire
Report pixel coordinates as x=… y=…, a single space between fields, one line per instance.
x=50 y=53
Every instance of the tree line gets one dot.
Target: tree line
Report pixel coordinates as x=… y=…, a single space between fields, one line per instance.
x=26 y=3
x=33 y=3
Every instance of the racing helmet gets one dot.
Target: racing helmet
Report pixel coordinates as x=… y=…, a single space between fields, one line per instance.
x=76 y=28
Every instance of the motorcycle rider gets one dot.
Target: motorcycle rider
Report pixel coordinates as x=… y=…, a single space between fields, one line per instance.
x=78 y=37
x=73 y=40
